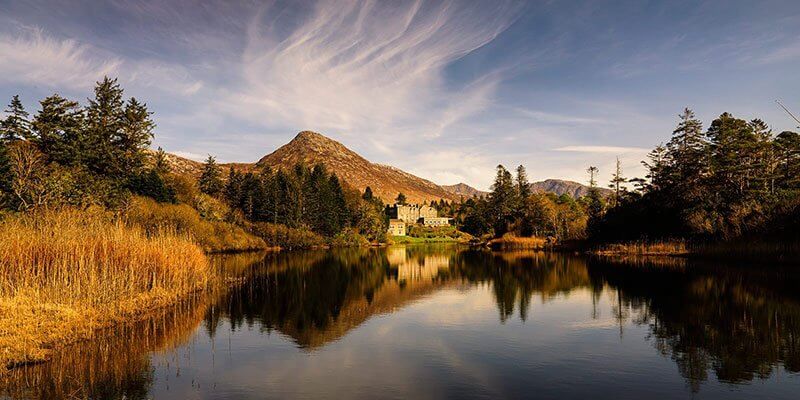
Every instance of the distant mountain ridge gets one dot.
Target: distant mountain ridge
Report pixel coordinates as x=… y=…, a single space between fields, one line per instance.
x=386 y=182
x=556 y=186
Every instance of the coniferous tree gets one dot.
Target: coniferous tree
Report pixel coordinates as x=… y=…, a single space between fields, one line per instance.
x=105 y=120
x=368 y=196
x=210 y=180
x=503 y=201
x=401 y=199
x=617 y=180
x=787 y=147
x=161 y=163
x=595 y=202
x=136 y=134
x=233 y=188
x=523 y=186
x=59 y=131
x=16 y=125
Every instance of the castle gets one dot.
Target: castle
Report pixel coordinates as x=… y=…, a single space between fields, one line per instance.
x=411 y=213
x=403 y=215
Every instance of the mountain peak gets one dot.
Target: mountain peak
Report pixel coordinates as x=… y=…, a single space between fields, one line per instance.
x=311 y=148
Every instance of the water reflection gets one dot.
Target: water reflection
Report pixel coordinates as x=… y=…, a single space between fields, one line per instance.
x=733 y=324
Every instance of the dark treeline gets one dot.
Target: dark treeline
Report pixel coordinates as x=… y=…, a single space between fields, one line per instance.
x=512 y=207
x=733 y=179
x=302 y=198
x=78 y=155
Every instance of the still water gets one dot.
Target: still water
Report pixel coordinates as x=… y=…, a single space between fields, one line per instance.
x=449 y=322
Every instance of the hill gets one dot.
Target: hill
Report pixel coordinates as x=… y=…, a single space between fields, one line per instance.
x=462 y=189
x=560 y=187
x=386 y=182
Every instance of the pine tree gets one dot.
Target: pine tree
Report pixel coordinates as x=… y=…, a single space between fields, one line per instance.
x=135 y=135
x=233 y=188
x=523 y=186
x=16 y=125
x=105 y=120
x=595 y=209
x=210 y=181
x=367 y=194
x=787 y=147
x=161 y=163
x=59 y=131
x=616 y=181
x=401 y=199
x=503 y=201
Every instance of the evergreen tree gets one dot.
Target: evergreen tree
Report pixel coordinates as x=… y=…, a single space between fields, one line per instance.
x=787 y=148
x=59 y=131
x=136 y=134
x=210 y=181
x=595 y=202
x=503 y=201
x=105 y=120
x=368 y=196
x=616 y=181
x=523 y=186
x=401 y=199
x=161 y=163
x=233 y=188
x=16 y=125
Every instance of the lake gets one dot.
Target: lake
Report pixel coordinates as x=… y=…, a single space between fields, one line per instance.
x=449 y=322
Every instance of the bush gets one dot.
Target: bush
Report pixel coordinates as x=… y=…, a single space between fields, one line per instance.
x=277 y=235
x=349 y=238
x=213 y=236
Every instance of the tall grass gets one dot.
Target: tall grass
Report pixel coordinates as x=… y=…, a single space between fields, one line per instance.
x=64 y=274
x=670 y=247
x=212 y=235
x=512 y=242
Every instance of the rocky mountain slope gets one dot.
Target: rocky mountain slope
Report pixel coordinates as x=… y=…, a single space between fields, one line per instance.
x=560 y=187
x=386 y=182
x=462 y=189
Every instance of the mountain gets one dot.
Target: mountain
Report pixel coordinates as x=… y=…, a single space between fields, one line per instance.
x=560 y=187
x=462 y=189
x=386 y=182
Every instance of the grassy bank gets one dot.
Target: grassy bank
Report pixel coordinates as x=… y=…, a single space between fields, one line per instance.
x=65 y=274
x=511 y=242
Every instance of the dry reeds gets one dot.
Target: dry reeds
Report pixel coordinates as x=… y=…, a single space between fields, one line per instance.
x=667 y=248
x=64 y=274
x=512 y=242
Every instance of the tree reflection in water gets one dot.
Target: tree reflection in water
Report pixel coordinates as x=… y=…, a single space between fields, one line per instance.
x=738 y=324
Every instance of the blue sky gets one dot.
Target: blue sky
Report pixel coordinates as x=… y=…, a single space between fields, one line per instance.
x=445 y=89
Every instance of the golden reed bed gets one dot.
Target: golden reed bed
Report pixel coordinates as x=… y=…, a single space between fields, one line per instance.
x=64 y=274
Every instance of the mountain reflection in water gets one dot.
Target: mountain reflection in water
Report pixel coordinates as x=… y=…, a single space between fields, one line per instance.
x=716 y=323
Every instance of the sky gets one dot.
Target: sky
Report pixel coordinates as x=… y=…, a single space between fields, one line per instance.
x=446 y=90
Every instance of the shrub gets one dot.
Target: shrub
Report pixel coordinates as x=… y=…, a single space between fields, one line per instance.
x=277 y=235
x=213 y=236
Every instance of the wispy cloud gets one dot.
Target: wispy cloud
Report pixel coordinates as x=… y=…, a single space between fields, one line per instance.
x=32 y=57
x=366 y=67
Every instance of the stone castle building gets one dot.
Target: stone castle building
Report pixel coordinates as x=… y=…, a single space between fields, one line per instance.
x=411 y=213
